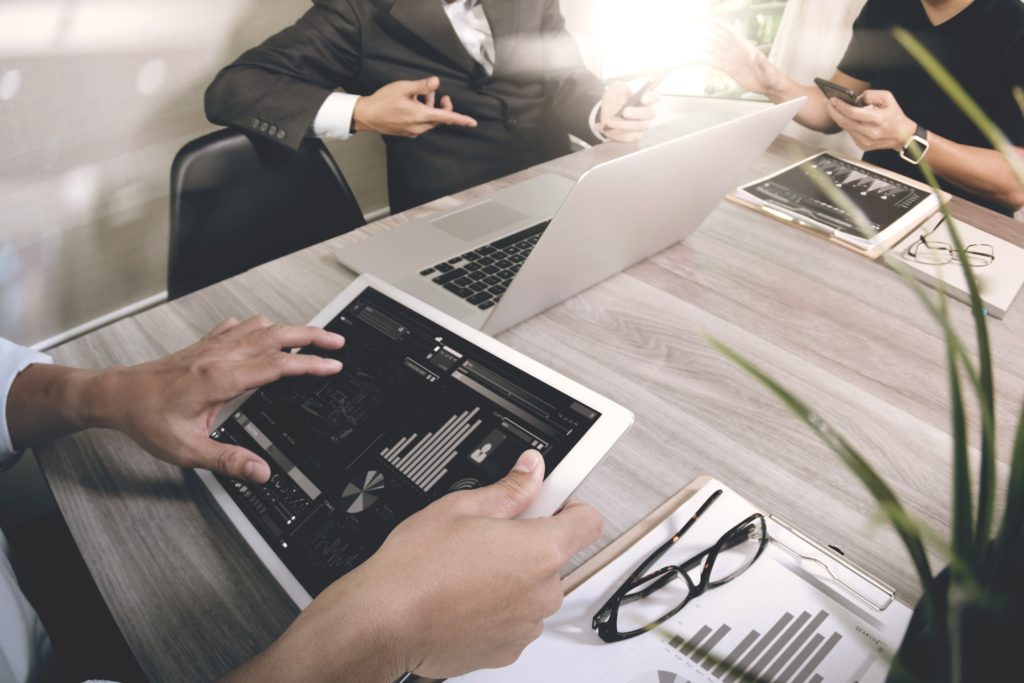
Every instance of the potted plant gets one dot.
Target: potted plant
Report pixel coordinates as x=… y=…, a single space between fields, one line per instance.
x=969 y=623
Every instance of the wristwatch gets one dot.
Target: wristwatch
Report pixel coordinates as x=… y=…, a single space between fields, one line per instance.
x=916 y=147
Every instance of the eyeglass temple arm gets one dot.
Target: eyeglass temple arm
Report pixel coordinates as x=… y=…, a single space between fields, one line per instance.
x=642 y=569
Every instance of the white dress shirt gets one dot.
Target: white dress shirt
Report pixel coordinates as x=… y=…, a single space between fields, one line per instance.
x=334 y=119
x=13 y=359
x=24 y=645
x=25 y=653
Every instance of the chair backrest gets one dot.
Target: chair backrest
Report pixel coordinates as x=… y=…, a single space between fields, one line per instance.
x=236 y=204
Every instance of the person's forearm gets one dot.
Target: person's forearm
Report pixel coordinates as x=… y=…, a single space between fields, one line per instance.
x=813 y=114
x=342 y=614
x=984 y=172
x=49 y=400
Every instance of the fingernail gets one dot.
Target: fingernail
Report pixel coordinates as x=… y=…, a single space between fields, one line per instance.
x=256 y=471
x=337 y=337
x=332 y=364
x=527 y=462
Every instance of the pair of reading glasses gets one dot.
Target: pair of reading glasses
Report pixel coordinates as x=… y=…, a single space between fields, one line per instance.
x=932 y=252
x=647 y=599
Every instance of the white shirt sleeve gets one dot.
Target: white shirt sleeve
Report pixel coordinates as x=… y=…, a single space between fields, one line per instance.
x=13 y=359
x=334 y=120
x=594 y=125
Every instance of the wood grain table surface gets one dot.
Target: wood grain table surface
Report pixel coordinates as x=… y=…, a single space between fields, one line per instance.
x=842 y=331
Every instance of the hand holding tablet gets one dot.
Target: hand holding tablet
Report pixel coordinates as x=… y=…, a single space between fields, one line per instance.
x=458 y=586
x=425 y=406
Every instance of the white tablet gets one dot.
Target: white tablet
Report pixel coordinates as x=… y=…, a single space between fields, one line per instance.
x=425 y=405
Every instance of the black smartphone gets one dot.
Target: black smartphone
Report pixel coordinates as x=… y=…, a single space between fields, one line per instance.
x=636 y=99
x=835 y=90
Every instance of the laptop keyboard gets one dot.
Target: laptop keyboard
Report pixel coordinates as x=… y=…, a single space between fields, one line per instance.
x=481 y=275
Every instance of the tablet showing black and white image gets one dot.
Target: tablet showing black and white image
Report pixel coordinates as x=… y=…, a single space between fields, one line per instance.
x=889 y=204
x=423 y=406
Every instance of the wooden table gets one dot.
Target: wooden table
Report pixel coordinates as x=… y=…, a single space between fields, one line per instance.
x=843 y=332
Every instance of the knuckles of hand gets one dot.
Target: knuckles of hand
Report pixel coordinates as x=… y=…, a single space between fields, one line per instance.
x=225 y=459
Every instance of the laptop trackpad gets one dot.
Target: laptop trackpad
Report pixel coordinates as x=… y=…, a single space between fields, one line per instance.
x=478 y=220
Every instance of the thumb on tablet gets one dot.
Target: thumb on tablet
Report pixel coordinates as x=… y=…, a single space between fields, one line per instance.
x=511 y=494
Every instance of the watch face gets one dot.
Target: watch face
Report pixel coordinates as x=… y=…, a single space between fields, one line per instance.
x=914 y=150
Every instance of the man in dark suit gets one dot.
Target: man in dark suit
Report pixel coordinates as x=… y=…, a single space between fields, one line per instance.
x=510 y=65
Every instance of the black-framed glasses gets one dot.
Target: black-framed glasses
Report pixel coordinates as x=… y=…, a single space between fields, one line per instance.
x=932 y=252
x=647 y=598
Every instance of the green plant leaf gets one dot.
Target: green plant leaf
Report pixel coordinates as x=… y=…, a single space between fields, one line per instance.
x=968 y=553
x=963 y=515
x=949 y=85
x=862 y=224
x=1008 y=540
x=986 y=389
x=883 y=495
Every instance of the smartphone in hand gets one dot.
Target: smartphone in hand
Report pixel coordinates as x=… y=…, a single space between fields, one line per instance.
x=831 y=89
x=637 y=98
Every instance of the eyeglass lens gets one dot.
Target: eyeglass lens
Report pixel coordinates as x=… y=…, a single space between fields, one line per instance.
x=658 y=595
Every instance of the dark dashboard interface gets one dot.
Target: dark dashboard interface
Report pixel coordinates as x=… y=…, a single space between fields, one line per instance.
x=415 y=413
x=882 y=199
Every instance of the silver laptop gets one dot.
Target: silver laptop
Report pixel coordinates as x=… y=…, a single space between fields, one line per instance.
x=498 y=260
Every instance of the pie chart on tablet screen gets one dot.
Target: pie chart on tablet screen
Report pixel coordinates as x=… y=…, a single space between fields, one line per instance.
x=360 y=495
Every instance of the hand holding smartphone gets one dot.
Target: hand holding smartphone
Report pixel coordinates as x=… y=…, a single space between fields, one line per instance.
x=831 y=89
x=637 y=98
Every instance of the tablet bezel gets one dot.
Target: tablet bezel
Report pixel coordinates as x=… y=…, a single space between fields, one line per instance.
x=559 y=485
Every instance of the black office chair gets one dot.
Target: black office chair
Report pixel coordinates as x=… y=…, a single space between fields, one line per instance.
x=236 y=204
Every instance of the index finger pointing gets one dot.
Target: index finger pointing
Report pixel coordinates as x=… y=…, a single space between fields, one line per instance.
x=443 y=117
x=574 y=528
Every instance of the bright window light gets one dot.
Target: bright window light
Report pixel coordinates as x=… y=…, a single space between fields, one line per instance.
x=641 y=38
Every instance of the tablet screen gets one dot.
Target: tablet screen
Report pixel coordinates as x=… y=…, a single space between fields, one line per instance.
x=882 y=199
x=416 y=412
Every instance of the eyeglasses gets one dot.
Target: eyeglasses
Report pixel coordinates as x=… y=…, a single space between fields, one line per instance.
x=936 y=253
x=647 y=599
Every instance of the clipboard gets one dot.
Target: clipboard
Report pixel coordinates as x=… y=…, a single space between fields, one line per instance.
x=890 y=236
x=777 y=620
x=599 y=561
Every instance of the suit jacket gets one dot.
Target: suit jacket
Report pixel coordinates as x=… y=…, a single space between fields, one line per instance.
x=538 y=94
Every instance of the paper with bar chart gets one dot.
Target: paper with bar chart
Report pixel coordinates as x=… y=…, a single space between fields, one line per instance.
x=775 y=622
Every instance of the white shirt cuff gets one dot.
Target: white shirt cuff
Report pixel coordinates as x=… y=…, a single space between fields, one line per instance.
x=13 y=359
x=334 y=120
x=594 y=126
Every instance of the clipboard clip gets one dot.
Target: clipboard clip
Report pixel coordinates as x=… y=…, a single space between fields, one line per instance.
x=886 y=594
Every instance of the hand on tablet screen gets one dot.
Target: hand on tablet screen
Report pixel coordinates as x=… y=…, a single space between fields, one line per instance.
x=459 y=586
x=168 y=405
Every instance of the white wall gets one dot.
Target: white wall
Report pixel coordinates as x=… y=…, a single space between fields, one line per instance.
x=96 y=96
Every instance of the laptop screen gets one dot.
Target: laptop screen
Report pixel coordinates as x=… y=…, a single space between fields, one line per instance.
x=416 y=412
